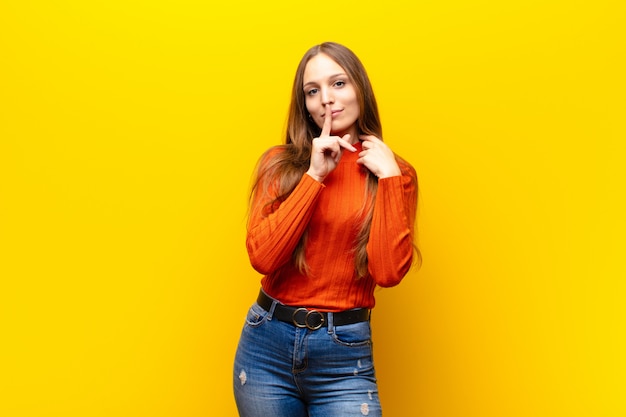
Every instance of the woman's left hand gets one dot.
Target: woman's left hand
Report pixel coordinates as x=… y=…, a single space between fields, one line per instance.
x=378 y=157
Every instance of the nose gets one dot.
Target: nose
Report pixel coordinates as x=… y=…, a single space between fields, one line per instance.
x=327 y=97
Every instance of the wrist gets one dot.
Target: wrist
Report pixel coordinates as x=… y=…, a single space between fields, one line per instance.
x=315 y=177
x=390 y=173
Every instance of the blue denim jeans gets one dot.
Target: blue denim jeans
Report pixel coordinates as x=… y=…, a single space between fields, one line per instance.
x=286 y=371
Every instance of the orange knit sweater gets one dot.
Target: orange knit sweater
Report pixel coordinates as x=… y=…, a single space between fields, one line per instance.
x=329 y=213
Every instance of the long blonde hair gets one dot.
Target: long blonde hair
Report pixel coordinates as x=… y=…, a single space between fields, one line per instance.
x=284 y=165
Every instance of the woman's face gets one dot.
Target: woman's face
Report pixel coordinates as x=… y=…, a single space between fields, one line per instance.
x=326 y=82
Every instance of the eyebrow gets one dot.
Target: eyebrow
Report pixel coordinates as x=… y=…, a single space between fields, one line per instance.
x=330 y=78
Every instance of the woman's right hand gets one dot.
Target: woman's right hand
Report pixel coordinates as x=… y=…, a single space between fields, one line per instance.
x=326 y=150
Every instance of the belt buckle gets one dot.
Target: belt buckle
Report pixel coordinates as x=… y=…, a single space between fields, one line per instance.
x=306 y=322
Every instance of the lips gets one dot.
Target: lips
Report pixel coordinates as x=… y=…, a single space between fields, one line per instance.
x=333 y=113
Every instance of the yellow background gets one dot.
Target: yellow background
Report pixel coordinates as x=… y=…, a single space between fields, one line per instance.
x=128 y=133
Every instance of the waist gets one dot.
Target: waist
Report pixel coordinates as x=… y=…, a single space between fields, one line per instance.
x=310 y=318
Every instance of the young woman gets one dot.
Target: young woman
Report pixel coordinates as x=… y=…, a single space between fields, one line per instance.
x=332 y=216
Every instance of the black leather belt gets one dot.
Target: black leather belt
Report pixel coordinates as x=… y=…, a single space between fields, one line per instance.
x=311 y=319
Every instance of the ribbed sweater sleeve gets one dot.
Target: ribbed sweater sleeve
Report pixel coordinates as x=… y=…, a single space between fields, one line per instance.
x=272 y=238
x=390 y=246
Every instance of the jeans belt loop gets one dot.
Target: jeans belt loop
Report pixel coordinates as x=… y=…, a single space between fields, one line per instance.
x=271 y=312
x=331 y=324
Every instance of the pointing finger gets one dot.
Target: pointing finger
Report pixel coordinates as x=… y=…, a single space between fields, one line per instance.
x=344 y=142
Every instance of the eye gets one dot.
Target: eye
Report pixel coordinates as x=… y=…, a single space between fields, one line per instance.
x=312 y=92
x=340 y=83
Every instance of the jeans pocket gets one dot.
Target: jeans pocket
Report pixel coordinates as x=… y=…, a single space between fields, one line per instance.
x=357 y=334
x=256 y=315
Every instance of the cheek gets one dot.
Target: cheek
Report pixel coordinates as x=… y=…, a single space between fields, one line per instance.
x=357 y=110
x=353 y=101
x=313 y=114
x=310 y=106
x=354 y=107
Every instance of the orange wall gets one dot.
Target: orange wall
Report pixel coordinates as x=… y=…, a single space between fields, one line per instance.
x=128 y=133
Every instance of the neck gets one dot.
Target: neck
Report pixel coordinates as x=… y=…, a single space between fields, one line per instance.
x=352 y=131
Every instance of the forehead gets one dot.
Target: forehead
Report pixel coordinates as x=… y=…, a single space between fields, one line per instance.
x=320 y=67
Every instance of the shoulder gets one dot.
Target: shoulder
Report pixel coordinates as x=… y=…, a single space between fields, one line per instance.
x=271 y=156
x=273 y=152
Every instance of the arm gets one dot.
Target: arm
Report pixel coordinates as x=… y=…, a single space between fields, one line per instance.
x=272 y=237
x=390 y=246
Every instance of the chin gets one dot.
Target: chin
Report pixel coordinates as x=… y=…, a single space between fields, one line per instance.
x=341 y=130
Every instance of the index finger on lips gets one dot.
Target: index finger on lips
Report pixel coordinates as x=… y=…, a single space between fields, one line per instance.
x=328 y=120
